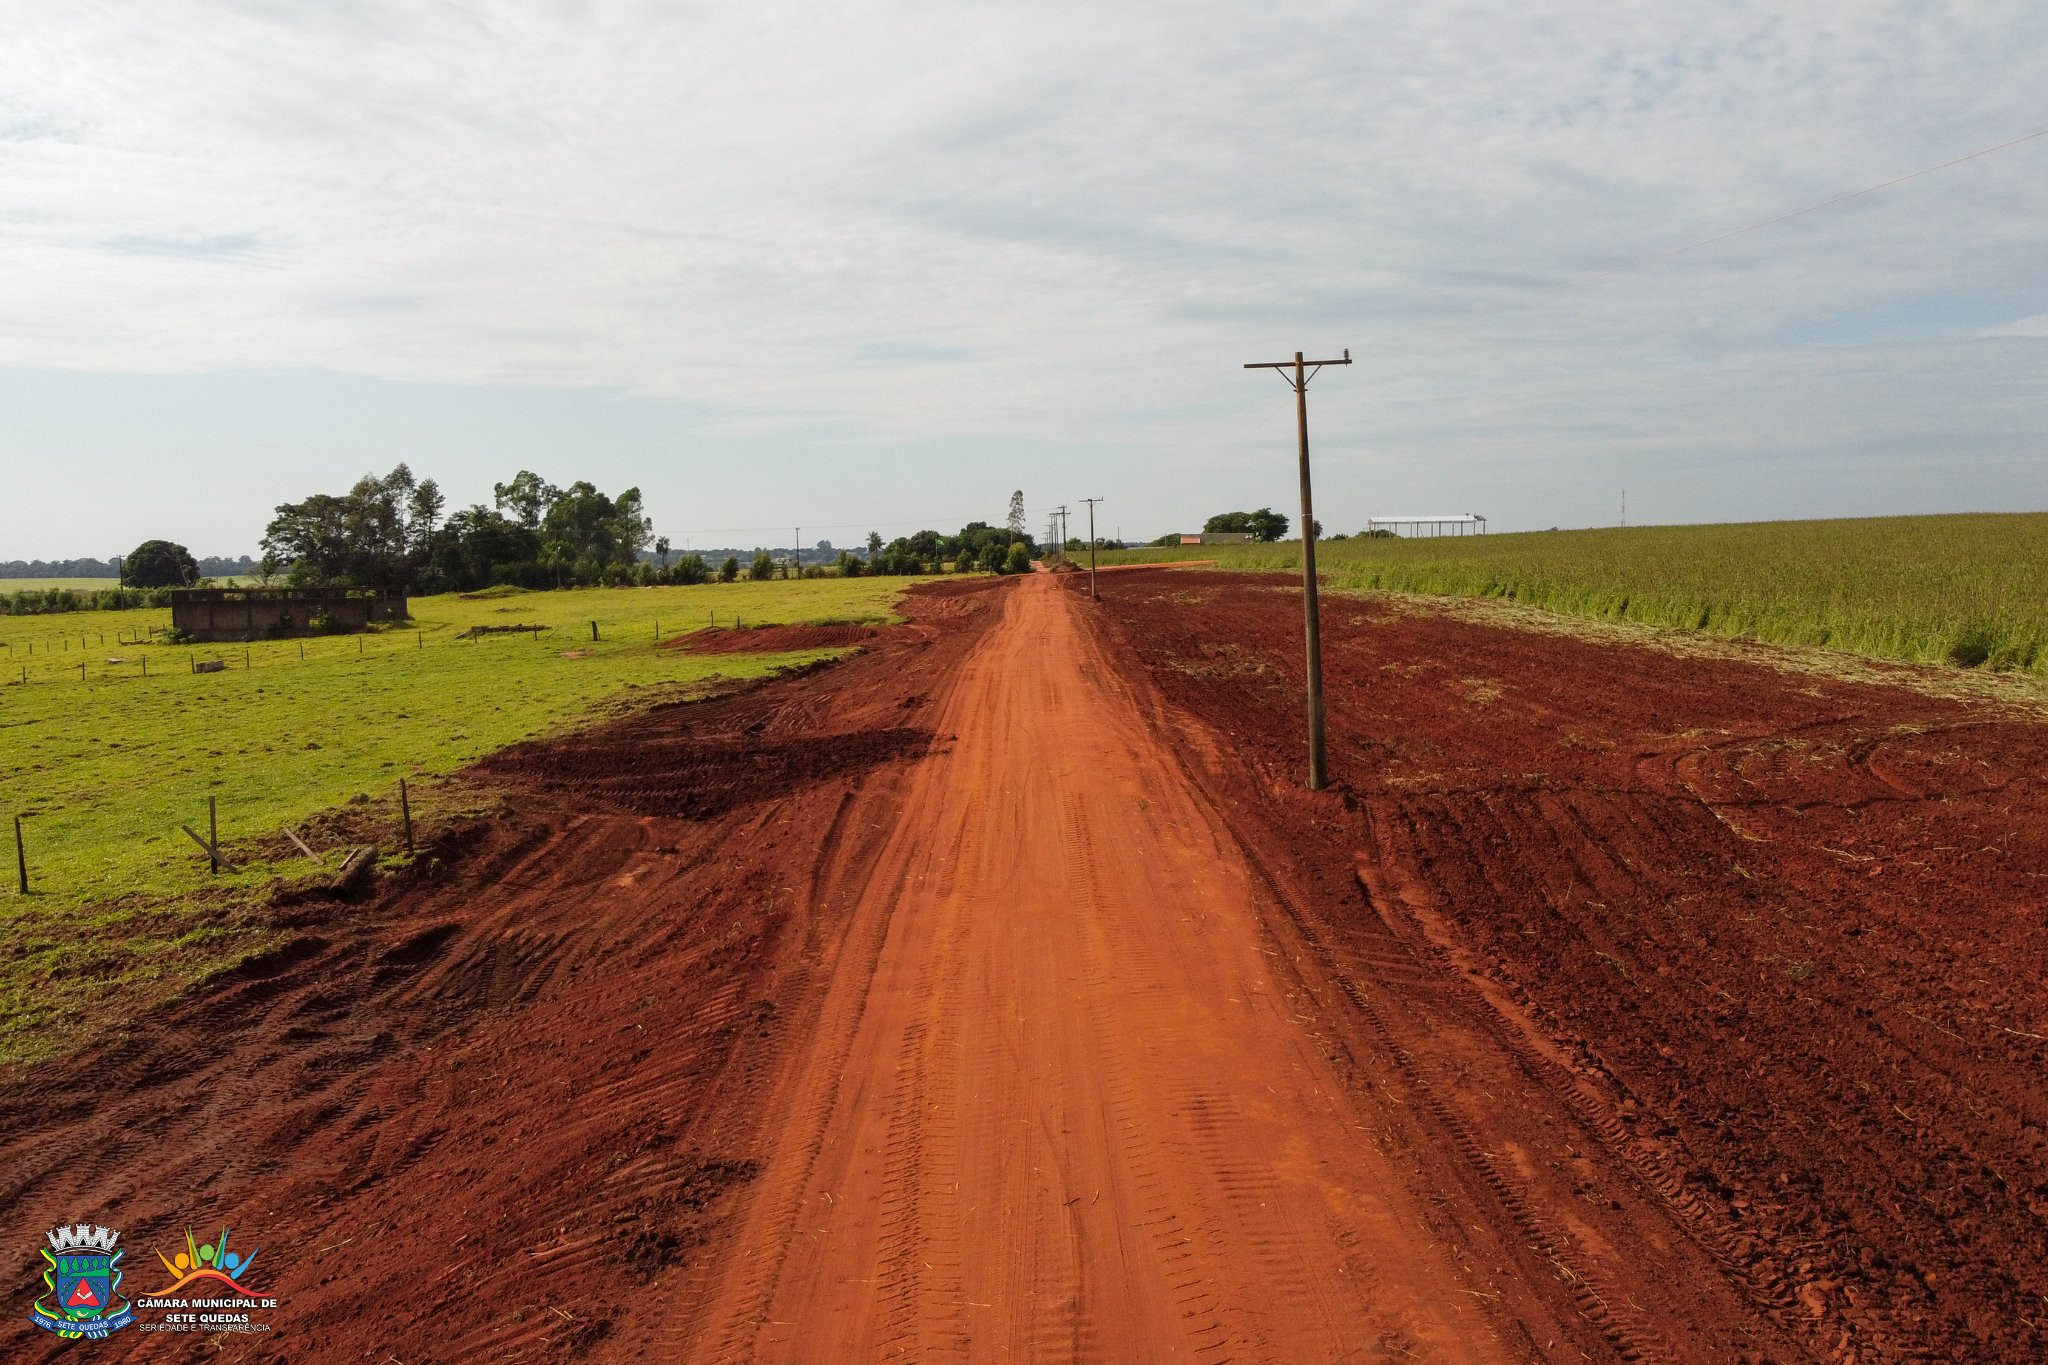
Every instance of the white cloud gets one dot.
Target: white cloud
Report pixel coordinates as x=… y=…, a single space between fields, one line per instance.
x=2035 y=326
x=908 y=222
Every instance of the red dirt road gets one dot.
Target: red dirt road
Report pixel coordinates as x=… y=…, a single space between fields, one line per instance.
x=1063 y=1106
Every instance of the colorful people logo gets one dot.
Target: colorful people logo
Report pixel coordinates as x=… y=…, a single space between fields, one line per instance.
x=83 y=1277
x=211 y=1267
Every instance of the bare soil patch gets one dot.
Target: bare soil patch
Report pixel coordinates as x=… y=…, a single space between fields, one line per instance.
x=1778 y=939
x=774 y=639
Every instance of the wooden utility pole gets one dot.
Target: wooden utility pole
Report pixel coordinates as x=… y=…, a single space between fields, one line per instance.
x=1312 y=620
x=1093 y=596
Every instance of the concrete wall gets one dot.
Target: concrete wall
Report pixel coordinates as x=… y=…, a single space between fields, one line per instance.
x=266 y=613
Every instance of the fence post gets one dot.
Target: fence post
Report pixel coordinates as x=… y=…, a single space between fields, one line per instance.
x=212 y=836
x=423 y=638
x=20 y=857
x=145 y=668
x=81 y=671
x=405 y=813
x=593 y=631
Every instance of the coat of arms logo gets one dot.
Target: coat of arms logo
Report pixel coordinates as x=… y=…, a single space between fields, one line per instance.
x=83 y=1280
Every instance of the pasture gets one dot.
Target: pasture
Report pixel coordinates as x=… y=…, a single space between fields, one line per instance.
x=1964 y=590
x=107 y=764
x=13 y=585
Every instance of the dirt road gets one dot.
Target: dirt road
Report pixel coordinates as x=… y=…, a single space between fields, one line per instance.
x=1067 y=1110
x=1069 y=1099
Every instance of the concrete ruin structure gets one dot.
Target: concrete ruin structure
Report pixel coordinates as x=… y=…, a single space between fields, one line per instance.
x=217 y=614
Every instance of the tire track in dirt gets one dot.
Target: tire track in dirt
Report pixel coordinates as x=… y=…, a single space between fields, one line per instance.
x=1074 y=1120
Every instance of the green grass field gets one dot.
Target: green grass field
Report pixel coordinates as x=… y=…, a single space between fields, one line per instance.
x=1961 y=590
x=108 y=766
x=8 y=585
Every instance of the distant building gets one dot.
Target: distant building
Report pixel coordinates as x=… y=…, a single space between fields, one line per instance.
x=1217 y=538
x=1444 y=524
x=215 y=614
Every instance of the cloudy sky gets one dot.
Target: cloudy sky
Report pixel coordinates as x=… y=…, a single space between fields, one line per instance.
x=877 y=263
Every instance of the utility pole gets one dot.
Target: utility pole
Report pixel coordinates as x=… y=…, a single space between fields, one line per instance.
x=1062 y=514
x=1312 y=620
x=1093 y=596
x=799 y=553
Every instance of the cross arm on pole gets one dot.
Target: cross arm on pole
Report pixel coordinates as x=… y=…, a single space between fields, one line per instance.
x=1288 y=364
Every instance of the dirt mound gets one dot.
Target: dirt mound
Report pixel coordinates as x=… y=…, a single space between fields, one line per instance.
x=695 y=776
x=1775 y=939
x=773 y=639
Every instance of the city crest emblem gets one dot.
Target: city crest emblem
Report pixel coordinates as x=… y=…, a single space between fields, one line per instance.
x=83 y=1280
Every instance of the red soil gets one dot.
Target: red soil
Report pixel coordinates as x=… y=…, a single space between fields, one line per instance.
x=773 y=639
x=998 y=992
x=1778 y=943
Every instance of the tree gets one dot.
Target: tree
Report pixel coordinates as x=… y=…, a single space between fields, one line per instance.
x=554 y=557
x=691 y=568
x=159 y=564
x=661 y=549
x=874 y=546
x=729 y=570
x=1019 y=559
x=528 y=497
x=363 y=538
x=1266 y=524
x=1229 y=523
x=763 y=567
x=1017 y=513
x=422 y=515
x=480 y=546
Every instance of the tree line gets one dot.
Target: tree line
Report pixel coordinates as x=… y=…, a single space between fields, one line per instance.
x=390 y=533
x=206 y=566
x=393 y=533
